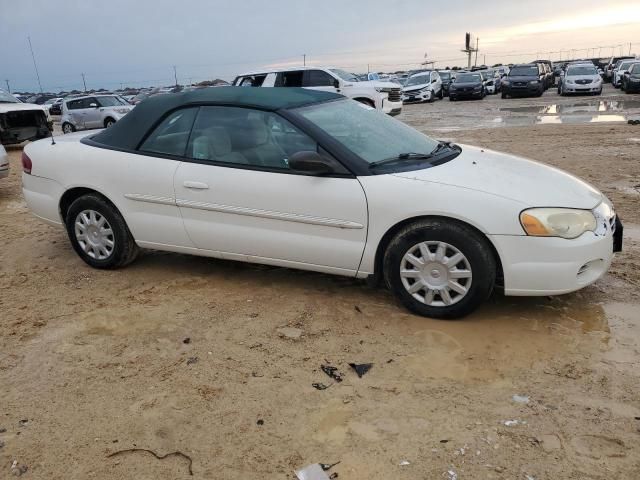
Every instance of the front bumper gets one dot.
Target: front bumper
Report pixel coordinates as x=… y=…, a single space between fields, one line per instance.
x=522 y=91
x=632 y=86
x=491 y=89
x=537 y=266
x=457 y=94
x=588 y=88
x=391 y=108
x=416 y=96
x=4 y=168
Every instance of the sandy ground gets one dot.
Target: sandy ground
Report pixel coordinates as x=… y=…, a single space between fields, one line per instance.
x=217 y=359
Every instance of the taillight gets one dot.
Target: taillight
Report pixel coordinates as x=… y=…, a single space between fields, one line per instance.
x=26 y=163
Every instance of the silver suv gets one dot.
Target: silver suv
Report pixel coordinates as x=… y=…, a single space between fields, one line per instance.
x=93 y=111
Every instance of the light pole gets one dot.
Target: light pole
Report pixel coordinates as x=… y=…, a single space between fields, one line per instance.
x=84 y=83
x=304 y=59
x=8 y=87
x=34 y=63
x=175 y=75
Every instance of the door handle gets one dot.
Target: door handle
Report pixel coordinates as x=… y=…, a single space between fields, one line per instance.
x=196 y=185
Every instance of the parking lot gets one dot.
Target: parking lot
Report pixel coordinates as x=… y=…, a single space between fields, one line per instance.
x=216 y=360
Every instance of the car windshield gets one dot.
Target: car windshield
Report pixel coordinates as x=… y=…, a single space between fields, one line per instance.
x=445 y=75
x=344 y=75
x=111 y=101
x=468 y=78
x=370 y=134
x=625 y=65
x=581 y=70
x=524 y=71
x=7 y=98
x=417 y=80
x=635 y=68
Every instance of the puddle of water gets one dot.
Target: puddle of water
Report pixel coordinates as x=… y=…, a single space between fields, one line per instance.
x=556 y=119
x=582 y=107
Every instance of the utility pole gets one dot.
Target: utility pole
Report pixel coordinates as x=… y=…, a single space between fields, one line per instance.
x=34 y=63
x=475 y=63
x=8 y=87
x=629 y=48
x=84 y=83
x=484 y=58
x=175 y=75
x=304 y=59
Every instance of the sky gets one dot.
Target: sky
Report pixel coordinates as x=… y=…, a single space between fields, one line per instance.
x=138 y=43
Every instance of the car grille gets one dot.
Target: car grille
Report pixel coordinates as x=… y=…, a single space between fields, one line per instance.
x=583 y=82
x=395 y=94
x=519 y=84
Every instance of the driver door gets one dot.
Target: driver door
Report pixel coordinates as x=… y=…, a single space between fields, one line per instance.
x=239 y=199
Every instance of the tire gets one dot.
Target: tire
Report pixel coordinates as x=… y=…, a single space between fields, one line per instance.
x=68 y=128
x=504 y=95
x=456 y=239
x=441 y=94
x=432 y=97
x=109 y=122
x=123 y=249
x=451 y=99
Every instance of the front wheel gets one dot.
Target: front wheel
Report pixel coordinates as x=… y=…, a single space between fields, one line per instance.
x=109 y=122
x=67 y=128
x=99 y=234
x=439 y=268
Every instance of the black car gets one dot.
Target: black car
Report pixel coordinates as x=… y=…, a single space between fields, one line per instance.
x=525 y=80
x=446 y=77
x=467 y=85
x=631 y=79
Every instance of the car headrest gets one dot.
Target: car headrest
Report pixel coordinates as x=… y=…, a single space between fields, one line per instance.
x=250 y=134
x=214 y=142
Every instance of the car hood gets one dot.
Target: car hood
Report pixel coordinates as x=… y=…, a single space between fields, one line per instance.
x=522 y=78
x=414 y=88
x=466 y=84
x=530 y=183
x=17 y=107
x=573 y=78
x=381 y=84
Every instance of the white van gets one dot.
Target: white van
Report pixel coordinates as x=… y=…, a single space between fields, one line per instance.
x=385 y=96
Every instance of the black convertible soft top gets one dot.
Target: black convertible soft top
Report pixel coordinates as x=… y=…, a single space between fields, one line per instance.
x=128 y=132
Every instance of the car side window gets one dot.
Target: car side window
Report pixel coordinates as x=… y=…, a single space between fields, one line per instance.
x=317 y=78
x=172 y=135
x=289 y=79
x=73 y=105
x=243 y=136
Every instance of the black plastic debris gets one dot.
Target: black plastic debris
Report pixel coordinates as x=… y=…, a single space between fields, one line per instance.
x=333 y=476
x=186 y=340
x=358 y=309
x=260 y=422
x=192 y=360
x=328 y=466
x=361 y=368
x=319 y=386
x=332 y=372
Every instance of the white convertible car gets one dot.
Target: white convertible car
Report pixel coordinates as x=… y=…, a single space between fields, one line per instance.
x=312 y=180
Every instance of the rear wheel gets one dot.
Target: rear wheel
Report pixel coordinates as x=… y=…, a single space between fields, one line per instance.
x=109 y=122
x=439 y=268
x=99 y=234
x=68 y=128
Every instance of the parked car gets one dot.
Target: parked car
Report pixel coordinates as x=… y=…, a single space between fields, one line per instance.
x=384 y=96
x=581 y=78
x=423 y=87
x=619 y=71
x=631 y=79
x=93 y=111
x=524 y=80
x=54 y=105
x=492 y=81
x=550 y=79
x=344 y=190
x=4 y=162
x=608 y=71
x=20 y=122
x=467 y=85
x=445 y=76
x=39 y=99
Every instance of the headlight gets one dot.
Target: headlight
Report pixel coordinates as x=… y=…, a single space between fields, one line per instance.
x=383 y=90
x=121 y=111
x=557 y=222
x=569 y=81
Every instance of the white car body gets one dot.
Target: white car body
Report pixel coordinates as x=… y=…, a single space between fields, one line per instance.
x=24 y=132
x=326 y=224
x=87 y=116
x=429 y=87
x=4 y=162
x=581 y=83
x=382 y=95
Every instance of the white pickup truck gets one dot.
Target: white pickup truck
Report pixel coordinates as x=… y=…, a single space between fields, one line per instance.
x=384 y=96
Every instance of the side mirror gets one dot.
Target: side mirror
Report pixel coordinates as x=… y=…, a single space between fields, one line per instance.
x=434 y=80
x=93 y=105
x=336 y=83
x=310 y=162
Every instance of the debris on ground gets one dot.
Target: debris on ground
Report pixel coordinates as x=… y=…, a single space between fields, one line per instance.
x=452 y=475
x=520 y=399
x=332 y=372
x=357 y=308
x=260 y=422
x=186 y=340
x=361 y=368
x=320 y=386
x=404 y=463
x=159 y=457
x=3 y=430
x=513 y=423
x=17 y=469
x=192 y=360
x=1 y=443
x=23 y=423
x=312 y=472
x=291 y=333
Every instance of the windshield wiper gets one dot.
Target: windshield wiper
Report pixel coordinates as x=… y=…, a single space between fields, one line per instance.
x=401 y=158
